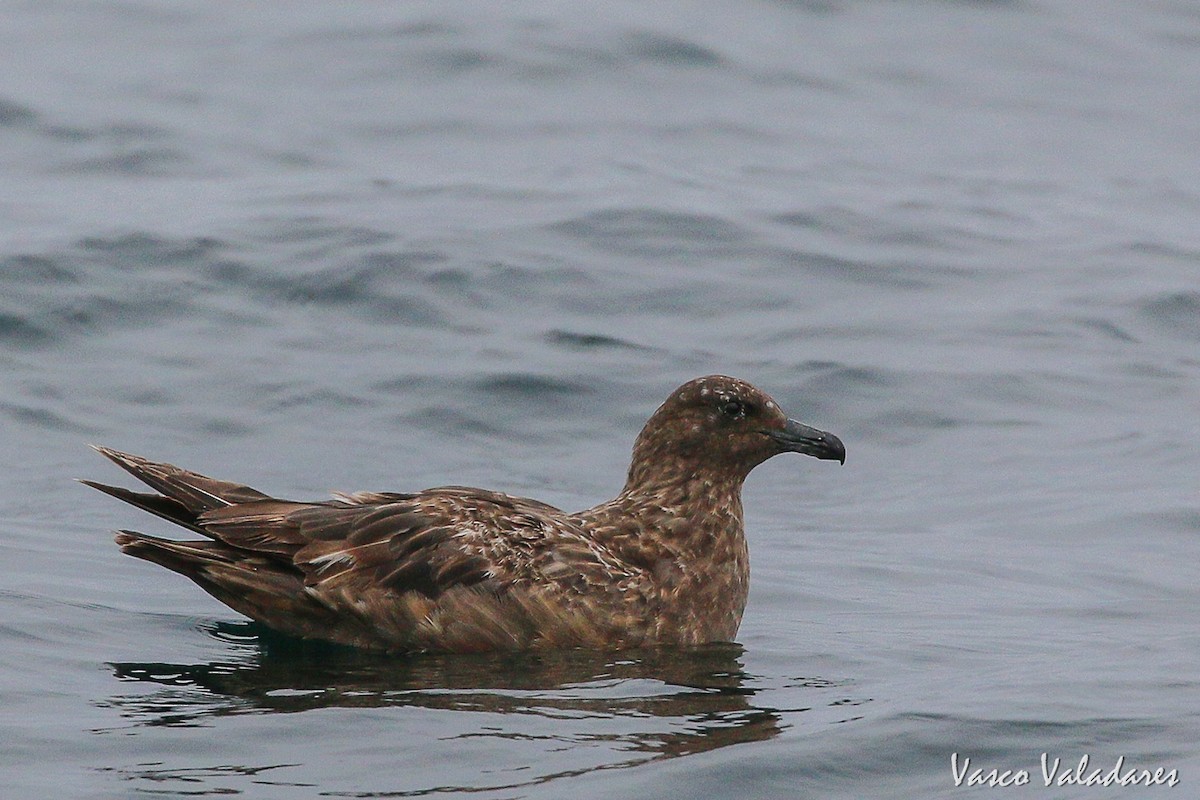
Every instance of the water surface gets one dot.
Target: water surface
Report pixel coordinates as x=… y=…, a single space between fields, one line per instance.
x=391 y=247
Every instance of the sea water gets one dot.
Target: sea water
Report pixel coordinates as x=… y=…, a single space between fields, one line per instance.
x=352 y=246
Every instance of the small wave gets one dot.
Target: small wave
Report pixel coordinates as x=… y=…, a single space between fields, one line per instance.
x=526 y=385
x=873 y=229
x=88 y=287
x=318 y=397
x=37 y=269
x=449 y=422
x=1106 y=328
x=653 y=232
x=396 y=288
x=590 y=341
x=1177 y=313
x=18 y=330
x=134 y=250
x=148 y=161
x=657 y=48
x=893 y=275
x=40 y=417
x=14 y=115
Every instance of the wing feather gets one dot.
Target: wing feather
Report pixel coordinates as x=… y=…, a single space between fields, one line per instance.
x=448 y=569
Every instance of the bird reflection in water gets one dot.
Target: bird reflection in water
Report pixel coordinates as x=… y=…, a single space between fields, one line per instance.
x=699 y=696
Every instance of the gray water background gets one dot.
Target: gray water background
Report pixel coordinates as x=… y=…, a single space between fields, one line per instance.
x=319 y=246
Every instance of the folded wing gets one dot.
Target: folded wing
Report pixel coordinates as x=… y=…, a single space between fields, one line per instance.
x=445 y=569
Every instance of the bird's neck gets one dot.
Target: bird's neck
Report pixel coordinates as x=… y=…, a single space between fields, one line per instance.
x=688 y=538
x=692 y=513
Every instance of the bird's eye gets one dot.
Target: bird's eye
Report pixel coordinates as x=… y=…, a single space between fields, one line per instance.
x=734 y=409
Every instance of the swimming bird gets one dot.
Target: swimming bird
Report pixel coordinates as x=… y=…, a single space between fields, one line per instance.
x=456 y=569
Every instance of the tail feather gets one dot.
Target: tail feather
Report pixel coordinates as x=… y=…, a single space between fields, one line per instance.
x=165 y=507
x=196 y=493
x=259 y=587
x=186 y=558
x=247 y=558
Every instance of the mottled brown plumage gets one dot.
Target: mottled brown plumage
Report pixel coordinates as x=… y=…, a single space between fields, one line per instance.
x=458 y=569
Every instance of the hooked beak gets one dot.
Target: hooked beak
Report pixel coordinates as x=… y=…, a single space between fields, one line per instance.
x=796 y=437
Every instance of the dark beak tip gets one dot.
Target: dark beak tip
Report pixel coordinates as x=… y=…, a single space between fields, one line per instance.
x=800 y=438
x=837 y=450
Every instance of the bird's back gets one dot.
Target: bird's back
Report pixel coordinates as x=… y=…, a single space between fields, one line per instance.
x=451 y=569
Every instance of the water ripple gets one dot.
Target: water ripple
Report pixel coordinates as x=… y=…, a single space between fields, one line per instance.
x=658 y=48
x=1177 y=313
x=651 y=232
x=590 y=341
x=14 y=114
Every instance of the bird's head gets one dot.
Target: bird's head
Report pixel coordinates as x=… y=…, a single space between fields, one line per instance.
x=722 y=427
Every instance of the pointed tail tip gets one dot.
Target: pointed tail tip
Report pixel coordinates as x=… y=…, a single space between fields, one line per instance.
x=115 y=456
x=108 y=452
x=124 y=538
x=126 y=461
x=94 y=484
